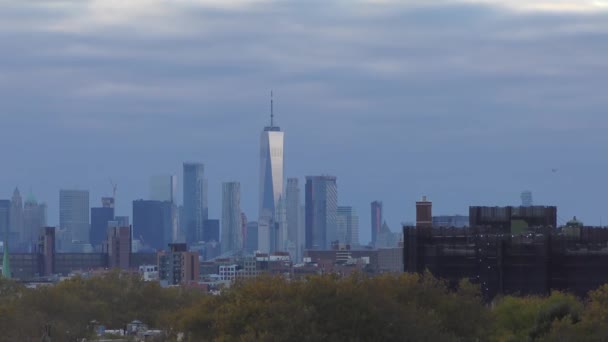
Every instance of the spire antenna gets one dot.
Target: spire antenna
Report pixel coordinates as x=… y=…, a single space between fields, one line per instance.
x=271 y=110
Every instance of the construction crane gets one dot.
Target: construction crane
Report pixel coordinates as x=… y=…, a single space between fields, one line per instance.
x=114 y=187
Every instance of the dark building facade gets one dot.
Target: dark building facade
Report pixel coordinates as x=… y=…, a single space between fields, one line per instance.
x=211 y=231
x=321 y=201
x=153 y=222
x=99 y=224
x=535 y=262
x=513 y=219
x=376 y=220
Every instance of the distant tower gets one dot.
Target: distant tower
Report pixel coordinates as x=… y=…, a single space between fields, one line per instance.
x=292 y=197
x=321 y=211
x=348 y=226
x=526 y=198
x=74 y=214
x=424 y=213
x=232 y=237
x=271 y=167
x=163 y=188
x=195 y=210
x=376 y=220
x=6 y=264
x=16 y=218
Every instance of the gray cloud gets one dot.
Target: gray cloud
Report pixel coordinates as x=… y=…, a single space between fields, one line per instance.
x=466 y=102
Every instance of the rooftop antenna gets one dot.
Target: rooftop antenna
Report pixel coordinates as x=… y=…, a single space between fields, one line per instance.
x=114 y=187
x=271 y=110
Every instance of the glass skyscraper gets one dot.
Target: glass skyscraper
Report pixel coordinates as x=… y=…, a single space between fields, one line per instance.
x=270 y=221
x=348 y=226
x=376 y=220
x=294 y=241
x=74 y=214
x=321 y=212
x=195 y=210
x=232 y=236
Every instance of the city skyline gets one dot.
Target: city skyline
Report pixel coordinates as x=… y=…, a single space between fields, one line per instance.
x=472 y=106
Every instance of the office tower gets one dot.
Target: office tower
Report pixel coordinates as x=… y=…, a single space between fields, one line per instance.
x=251 y=244
x=264 y=234
x=177 y=266
x=212 y=230
x=279 y=239
x=232 y=237
x=292 y=197
x=347 y=226
x=119 y=247
x=16 y=218
x=74 y=215
x=376 y=220
x=513 y=220
x=5 y=211
x=34 y=218
x=46 y=247
x=100 y=219
x=243 y=227
x=424 y=213
x=195 y=202
x=271 y=167
x=153 y=222
x=321 y=211
x=526 y=198
x=163 y=188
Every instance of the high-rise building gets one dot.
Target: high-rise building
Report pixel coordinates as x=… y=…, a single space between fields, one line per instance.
x=153 y=222
x=195 y=210
x=376 y=220
x=34 y=218
x=74 y=215
x=347 y=226
x=424 y=213
x=212 y=231
x=232 y=237
x=16 y=219
x=100 y=217
x=271 y=167
x=292 y=197
x=526 y=198
x=5 y=211
x=321 y=211
x=163 y=188
x=119 y=247
x=46 y=247
x=251 y=244
x=264 y=229
x=243 y=227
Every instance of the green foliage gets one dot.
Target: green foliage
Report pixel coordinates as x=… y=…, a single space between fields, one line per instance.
x=406 y=307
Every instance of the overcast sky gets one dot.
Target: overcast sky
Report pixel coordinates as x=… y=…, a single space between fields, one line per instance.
x=467 y=102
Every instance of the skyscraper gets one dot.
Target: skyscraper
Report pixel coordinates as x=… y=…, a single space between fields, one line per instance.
x=292 y=196
x=195 y=210
x=100 y=217
x=251 y=244
x=16 y=219
x=232 y=237
x=163 y=188
x=5 y=210
x=34 y=218
x=348 y=226
x=271 y=167
x=376 y=220
x=153 y=222
x=321 y=211
x=74 y=214
x=526 y=198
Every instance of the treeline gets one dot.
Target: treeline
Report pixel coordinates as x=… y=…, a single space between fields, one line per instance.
x=406 y=307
